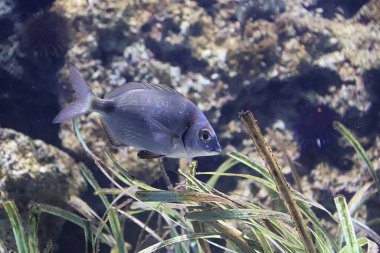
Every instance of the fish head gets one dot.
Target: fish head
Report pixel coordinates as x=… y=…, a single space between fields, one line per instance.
x=200 y=139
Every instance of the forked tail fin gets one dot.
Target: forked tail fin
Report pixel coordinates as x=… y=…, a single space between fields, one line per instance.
x=83 y=98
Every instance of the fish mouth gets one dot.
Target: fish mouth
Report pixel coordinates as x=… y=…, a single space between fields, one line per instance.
x=216 y=150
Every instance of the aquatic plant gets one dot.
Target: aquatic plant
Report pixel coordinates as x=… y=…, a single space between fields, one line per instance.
x=26 y=243
x=194 y=217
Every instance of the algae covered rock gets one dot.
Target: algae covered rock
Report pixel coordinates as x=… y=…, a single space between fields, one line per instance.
x=32 y=171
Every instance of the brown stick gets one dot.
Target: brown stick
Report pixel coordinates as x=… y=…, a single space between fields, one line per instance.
x=266 y=154
x=165 y=175
x=233 y=234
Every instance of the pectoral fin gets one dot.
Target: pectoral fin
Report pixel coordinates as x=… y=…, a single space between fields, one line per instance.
x=160 y=131
x=145 y=154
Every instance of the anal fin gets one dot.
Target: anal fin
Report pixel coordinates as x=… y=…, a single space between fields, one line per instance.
x=145 y=154
x=111 y=139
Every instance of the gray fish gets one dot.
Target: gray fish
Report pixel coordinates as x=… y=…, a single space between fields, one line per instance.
x=155 y=119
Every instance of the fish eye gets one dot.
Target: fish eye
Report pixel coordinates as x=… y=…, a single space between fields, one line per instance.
x=204 y=135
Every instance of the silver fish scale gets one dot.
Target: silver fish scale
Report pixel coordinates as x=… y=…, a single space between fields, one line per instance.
x=140 y=115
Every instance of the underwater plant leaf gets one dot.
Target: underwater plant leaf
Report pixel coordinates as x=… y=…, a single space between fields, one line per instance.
x=221 y=247
x=360 y=197
x=191 y=168
x=371 y=246
x=253 y=223
x=303 y=203
x=179 y=247
x=109 y=191
x=111 y=214
x=233 y=235
x=285 y=244
x=121 y=173
x=128 y=178
x=266 y=154
x=34 y=217
x=202 y=244
x=321 y=244
x=170 y=215
x=189 y=173
x=179 y=196
x=263 y=241
x=98 y=232
x=270 y=185
x=369 y=232
x=198 y=227
x=346 y=224
x=289 y=234
x=260 y=180
x=80 y=139
x=17 y=227
x=116 y=230
x=72 y=217
x=177 y=239
x=193 y=182
x=229 y=163
x=141 y=225
x=237 y=214
x=322 y=236
x=303 y=199
x=245 y=160
x=268 y=181
x=358 y=148
x=92 y=181
x=66 y=215
x=87 y=235
x=83 y=208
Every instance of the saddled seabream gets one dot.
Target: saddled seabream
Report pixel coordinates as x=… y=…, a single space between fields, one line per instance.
x=153 y=118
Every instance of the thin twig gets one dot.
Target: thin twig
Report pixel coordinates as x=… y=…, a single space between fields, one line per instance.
x=266 y=154
x=165 y=175
x=145 y=227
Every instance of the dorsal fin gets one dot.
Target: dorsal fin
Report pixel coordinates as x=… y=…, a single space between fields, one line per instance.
x=135 y=85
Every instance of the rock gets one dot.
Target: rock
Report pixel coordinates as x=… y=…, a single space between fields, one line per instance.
x=33 y=171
